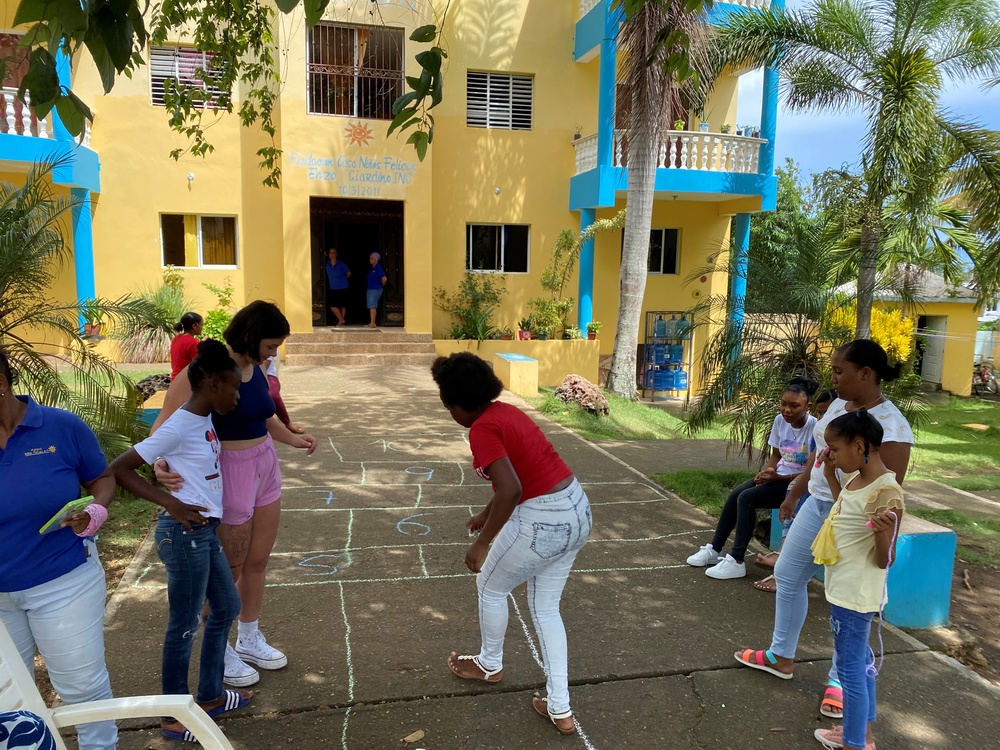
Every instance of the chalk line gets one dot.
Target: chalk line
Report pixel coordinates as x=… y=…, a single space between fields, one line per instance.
x=423 y=563
x=347 y=644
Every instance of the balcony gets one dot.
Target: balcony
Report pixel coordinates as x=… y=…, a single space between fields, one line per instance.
x=682 y=149
x=20 y=119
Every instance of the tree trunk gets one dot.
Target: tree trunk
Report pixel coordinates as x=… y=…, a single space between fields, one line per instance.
x=867 y=279
x=642 y=150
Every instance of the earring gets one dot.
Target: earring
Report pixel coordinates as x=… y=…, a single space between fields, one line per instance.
x=866 y=458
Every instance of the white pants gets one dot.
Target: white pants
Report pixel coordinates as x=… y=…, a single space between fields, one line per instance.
x=537 y=545
x=65 y=619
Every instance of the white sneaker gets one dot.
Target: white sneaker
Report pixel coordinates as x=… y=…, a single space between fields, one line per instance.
x=727 y=568
x=704 y=556
x=237 y=673
x=254 y=649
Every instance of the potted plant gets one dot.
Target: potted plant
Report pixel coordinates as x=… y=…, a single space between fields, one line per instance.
x=592 y=328
x=578 y=132
x=678 y=124
x=541 y=331
x=572 y=332
x=726 y=129
x=524 y=328
x=703 y=127
x=91 y=313
x=506 y=334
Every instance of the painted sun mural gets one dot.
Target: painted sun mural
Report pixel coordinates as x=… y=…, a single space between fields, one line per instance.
x=359 y=133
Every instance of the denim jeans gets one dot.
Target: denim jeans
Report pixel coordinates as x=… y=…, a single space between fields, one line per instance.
x=740 y=513
x=851 y=631
x=64 y=618
x=196 y=570
x=537 y=545
x=792 y=573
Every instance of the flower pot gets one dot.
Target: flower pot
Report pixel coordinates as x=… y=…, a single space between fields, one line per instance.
x=591 y=335
x=91 y=330
x=703 y=127
x=524 y=335
x=542 y=336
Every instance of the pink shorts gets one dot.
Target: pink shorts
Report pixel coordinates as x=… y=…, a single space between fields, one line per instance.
x=251 y=479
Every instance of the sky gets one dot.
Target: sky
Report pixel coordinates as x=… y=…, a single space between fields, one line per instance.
x=828 y=141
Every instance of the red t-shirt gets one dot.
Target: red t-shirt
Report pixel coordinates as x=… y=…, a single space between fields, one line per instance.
x=183 y=349
x=505 y=430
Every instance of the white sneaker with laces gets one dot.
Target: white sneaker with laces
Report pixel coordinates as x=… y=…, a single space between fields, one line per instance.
x=237 y=673
x=727 y=568
x=255 y=650
x=704 y=556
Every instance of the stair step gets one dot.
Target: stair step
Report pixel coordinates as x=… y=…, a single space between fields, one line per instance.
x=352 y=347
x=354 y=360
x=359 y=336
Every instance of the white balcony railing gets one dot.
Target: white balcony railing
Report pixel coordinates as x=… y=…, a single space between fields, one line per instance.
x=19 y=117
x=586 y=5
x=750 y=3
x=682 y=149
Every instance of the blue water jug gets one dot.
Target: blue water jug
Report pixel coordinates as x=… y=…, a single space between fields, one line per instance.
x=677 y=352
x=671 y=327
x=683 y=328
x=660 y=327
x=680 y=380
x=666 y=379
x=660 y=354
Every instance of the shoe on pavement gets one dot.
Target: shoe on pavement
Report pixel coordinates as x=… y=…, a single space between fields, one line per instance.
x=254 y=649
x=833 y=739
x=704 y=557
x=727 y=568
x=237 y=672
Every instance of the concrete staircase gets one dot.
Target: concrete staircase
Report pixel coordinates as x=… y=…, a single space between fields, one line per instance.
x=346 y=347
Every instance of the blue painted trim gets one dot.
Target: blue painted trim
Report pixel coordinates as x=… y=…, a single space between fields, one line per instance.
x=83 y=246
x=738 y=283
x=65 y=73
x=920 y=580
x=81 y=167
x=585 y=285
x=589 y=31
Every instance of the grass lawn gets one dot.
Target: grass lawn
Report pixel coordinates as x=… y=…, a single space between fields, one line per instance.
x=134 y=375
x=628 y=420
x=978 y=540
x=706 y=489
x=959 y=456
x=128 y=521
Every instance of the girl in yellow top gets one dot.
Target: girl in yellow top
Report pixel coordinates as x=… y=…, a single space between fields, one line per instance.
x=856 y=544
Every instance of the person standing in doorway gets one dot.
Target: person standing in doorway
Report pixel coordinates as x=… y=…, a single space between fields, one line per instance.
x=376 y=281
x=337 y=275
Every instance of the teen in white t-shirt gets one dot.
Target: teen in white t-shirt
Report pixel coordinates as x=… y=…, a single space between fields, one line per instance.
x=186 y=540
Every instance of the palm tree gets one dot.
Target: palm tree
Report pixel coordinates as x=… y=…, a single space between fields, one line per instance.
x=41 y=336
x=891 y=61
x=656 y=86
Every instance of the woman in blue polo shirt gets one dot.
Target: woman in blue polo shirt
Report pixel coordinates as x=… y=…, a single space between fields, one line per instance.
x=52 y=587
x=376 y=280
x=337 y=284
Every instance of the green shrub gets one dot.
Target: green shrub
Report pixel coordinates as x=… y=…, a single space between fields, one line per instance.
x=472 y=305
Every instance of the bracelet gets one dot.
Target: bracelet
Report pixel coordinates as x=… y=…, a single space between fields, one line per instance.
x=98 y=515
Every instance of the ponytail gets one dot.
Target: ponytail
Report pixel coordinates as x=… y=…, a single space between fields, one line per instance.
x=859 y=424
x=188 y=321
x=867 y=353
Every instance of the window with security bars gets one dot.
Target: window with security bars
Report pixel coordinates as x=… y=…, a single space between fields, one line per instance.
x=187 y=66
x=498 y=100
x=496 y=247
x=355 y=71
x=198 y=241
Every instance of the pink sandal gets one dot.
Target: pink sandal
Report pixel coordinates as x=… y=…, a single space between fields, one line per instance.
x=765 y=661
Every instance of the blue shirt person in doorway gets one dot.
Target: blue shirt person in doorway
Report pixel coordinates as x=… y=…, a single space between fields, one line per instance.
x=337 y=275
x=376 y=281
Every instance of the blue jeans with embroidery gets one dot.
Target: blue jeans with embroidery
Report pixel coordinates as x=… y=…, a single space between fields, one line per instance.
x=537 y=545
x=197 y=570
x=851 y=631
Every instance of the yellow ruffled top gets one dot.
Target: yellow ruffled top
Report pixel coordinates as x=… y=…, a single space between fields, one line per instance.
x=882 y=496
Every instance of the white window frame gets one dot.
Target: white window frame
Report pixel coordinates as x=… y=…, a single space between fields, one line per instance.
x=176 y=50
x=677 y=256
x=499 y=115
x=503 y=257
x=201 y=249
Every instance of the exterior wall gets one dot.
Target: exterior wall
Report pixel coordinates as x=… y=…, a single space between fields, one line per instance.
x=556 y=359
x=960 y=344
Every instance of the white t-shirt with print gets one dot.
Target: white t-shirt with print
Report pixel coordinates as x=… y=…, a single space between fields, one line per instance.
x=189 y=444
x=895 y=429
x=793 y=443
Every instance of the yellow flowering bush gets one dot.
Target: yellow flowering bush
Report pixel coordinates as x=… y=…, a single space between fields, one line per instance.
x=889 y=328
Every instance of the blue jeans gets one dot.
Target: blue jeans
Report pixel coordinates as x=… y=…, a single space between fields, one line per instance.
x=853 y=656
x=537 y=545
x=197 y=570
x=65 y=619
x=792 y=573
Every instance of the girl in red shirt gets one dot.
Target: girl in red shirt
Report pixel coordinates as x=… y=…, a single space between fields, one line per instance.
x=184 y=346
x=538 y=520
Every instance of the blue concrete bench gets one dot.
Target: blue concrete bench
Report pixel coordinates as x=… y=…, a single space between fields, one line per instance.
x=920 y=576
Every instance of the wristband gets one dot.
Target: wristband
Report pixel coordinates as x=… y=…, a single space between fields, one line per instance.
x=98 y=515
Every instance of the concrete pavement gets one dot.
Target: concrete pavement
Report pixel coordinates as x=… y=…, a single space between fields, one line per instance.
x=367 y=594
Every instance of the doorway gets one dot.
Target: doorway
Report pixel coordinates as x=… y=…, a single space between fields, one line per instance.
x=932 y=329
x=358 y=228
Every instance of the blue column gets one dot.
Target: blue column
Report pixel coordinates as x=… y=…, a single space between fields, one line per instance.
x=738 y=283
x=585 y=287
x=608 y=87
x=769 y=111
x=65 y=78
x=83 y=245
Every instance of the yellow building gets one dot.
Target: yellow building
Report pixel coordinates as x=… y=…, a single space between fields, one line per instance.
x=526 y=145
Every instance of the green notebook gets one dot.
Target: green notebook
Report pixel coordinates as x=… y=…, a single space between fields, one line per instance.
x=65 y=512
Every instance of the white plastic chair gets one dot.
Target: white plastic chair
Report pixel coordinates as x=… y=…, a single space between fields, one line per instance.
x=18 y=692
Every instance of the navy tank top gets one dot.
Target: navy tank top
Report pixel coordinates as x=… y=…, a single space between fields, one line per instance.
x=249 y=419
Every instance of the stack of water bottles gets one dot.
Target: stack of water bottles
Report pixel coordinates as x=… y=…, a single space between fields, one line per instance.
x=665 y=354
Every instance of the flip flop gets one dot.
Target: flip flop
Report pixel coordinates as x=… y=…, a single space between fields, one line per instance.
x=762 y=660
x=495 y=676
x=832 y=704
x=541 y=706
x=766 y=561
x=184 y=736
x=762 y=585
x=233 y=699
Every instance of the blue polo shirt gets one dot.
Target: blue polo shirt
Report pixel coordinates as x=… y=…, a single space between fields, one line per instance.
x=336 y=275
x=48 y=456
x=375 y=277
